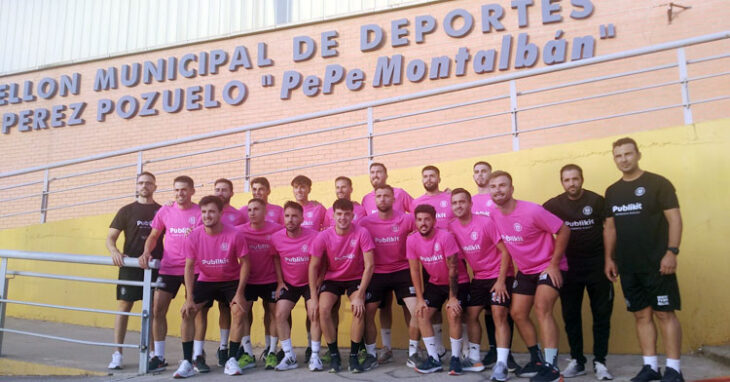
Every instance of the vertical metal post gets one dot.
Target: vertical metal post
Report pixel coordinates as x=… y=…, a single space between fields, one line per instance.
x=684 y=84
x=3 y=295
x=44 y=196
x=247 y=169
x=371 y=130
x=144 y=332
x=513 y=115
x=140 y=164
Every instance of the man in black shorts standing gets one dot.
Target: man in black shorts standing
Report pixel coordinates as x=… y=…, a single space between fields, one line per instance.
x=583 y=212
x=644 y=228
x=134 y=220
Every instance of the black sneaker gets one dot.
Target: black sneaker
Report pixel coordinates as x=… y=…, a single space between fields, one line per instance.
x=280 y=355
x=354 y=364
x=671 y=375
x=530 y=370
x=335 y=363
x=647 y=374
x=547 y=373
x=369 y=363
x=222 y=357
x=200 y=365
x=307 y=354
x=490 y=358
x=156 y=364
x=512 y=365
x=429 y=365
x=455 y=366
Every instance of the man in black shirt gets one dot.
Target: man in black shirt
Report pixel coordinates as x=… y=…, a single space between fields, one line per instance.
x=134 y=220
x=644 y=226
x=583 y=212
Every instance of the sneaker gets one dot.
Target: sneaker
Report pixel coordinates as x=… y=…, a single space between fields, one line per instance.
x=116 y=363
x=246 y=361
x=647 y=374
x=530 y=370
x=280 y=355
x=156 y=364
x=315 y=363
x=222 y=356
x=185 y=370
x=232 y=368
x=500 y=372
x=547 y=373
x=430 y=365
x=455 y=366
x=413 y=360
x=335 y=363
x=369 y=363
x=512 y=365
x=361 y=354
x=288 y=363
x=602 y=373
x=574 y=369
x=354 y=364
x=490 y=358
x=200 y=365
x=264 y=353
x=469 y=364
x=671 y=375
x=270 y=363
x=326 y=358
x=307 y=353
x=385 y=356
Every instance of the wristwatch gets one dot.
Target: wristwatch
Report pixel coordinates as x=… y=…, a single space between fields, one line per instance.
x=674 y=250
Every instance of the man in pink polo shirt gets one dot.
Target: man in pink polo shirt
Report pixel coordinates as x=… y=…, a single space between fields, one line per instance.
x=176 y=222
x=343 y=190
x=349 y=258
x=293 y=246
x=440 y=200
x=490 y=289
x=261 y=189
x=389 y=230
x=313 y=211
x=219 y=253
x=436 y=252
x=527 y=230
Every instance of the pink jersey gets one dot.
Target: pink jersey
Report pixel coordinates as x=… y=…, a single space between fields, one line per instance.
x=442 y=204
x=232 y=216
x=432 y=252
x=329 y=217
x=528 y=234
x=261 y=251
x=294 y=255
x=402 y=202
x=176 y=224
x=482 y=204
x=389 y=237
x=344 y=252
x=478 y=241
x=313 y=216
x=274 y=214
x=216 y=256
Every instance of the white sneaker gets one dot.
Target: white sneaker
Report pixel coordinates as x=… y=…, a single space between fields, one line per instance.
x=315 y=364
x=116 y=363
x=185 y=370
x=574 y=369
x=601 y=371
x=232 y=367
x=289 y=363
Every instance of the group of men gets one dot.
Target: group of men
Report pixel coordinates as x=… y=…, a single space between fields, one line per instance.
x=446 y=248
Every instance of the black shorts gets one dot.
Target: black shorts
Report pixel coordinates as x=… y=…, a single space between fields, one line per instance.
x=132 y=293
x=172 y=283
x=267 y=292
x=383 y=283
x=339 y=288
x=641 y=290
x=480 y=295
x=207 y=291
x=527 y=284
x=293 y=293
x=437 y=295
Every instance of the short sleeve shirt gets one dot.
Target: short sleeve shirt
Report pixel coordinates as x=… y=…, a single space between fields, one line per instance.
x=389 y=237
x=432 y=253
x=401 y=203
x=313 y=216
x=294 y=255
x=345 y=261
x=232 y=217
x=274 y=214
x=478 y=240
x=482 y=204
x=135 y=220
x=177 y=225
x=216 y=256
x=442 y=203
x=261 y=250
x=358 y=213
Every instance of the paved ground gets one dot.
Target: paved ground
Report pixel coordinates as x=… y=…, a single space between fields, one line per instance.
x=48 y=355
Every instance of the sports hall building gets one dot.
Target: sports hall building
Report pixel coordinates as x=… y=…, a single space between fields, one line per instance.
x=91 y=93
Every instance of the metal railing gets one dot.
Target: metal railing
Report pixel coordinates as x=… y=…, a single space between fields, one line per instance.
x=368 y=125
x=6 y=274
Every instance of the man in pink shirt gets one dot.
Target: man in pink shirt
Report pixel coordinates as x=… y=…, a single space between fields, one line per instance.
x=343 y=190
x=527 y=230
x=291 y=260
x=349 y=268
x=313 y=211
x=440 y=200
x=223 y=188
x=219 y=253
x=261 y=189
x=436 y=252
x=176 y=222
x=481 y=202
x=261 y=280
x=491 y=265
x=389 y=230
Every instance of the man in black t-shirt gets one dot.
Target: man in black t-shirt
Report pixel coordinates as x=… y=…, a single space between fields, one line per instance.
x=644 y=226
x=134 y=220
x=583 y=212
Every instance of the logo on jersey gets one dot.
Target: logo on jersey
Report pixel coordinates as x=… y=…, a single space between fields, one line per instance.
x=639 y=191
x=518 y=227
x=231 y=217
x=587 y=210
x=268 y=237
x=436 y=246
x=395 y=228
x=272 y=213
x=304 y=248
x=225 y=246
x=444 y=203
x=474 y=235
x=489 y=203
x=310 y=214
x=353 y=243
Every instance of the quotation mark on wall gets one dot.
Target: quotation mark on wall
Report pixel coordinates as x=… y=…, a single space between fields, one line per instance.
x=608 y=31
x=267 y=80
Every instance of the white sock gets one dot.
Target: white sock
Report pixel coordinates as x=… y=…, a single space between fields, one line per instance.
x=246 y=343
x=370 y=348
x=267 y=341
x=502 y=355
x=412 y=347
x=455 y=347
x=431 y=347
x=652 y=361
x=160 y=349
x=673 y=363
x=286 y=345
x=385 y=337
x=197 y=348
x=272 y=347
x=224 y=338
x=437 y=335
x=474 y=352
x=315 y=347
x=551 y=355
